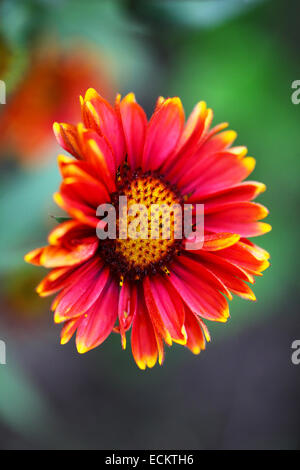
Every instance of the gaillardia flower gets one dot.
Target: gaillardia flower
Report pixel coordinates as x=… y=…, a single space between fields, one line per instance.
x=161 y=288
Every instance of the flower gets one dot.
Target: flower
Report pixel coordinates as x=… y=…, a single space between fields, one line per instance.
x=46 y=93
x=160 y=288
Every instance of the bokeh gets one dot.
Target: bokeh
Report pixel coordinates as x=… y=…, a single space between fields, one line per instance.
x=241 y=57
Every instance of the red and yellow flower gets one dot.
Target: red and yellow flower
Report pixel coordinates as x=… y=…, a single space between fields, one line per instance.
x=158 y=288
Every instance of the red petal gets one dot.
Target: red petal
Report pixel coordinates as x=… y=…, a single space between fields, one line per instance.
x=246 y=257
x=100 y=157
x=214 y=241
x=71 y=231
x=217 y=142
x=99 y=115
x=189 y=140
x=164 y=130
x=215 y=263
x=85 y=190
x=240 y=192
x=80 y=198
x=227 y=276
x=194 y=265
x=67 y=137
x=81 y=295
x=69 y=329
x=134 y=122
x=215 y=172
x=168 y=306
x=195 y=336
x=238 y=217
x=99 y=320
x=154 y=312
x=124 y=310
x=57 y=256
x=201 y=298
x=34 y=256
x=54 y=281
x=143 y=338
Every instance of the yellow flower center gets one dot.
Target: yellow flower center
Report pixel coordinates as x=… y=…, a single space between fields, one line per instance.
x=148 y=225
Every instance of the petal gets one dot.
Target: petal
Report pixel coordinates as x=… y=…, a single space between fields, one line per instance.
x=195 y=336
x=216 y=263
x=124 y=310
x=67 y=137
x=76 y=299
x=170 y=307
x=99 y=155
x=75 y=274
x=193 y=129
x=215 y=241
x=246 y=257
x=208 y=145
x=160 y=100
x=65 y=163
x=57 y=279
x=239 y=217
x=134 y=121
x=163 y=302
x=215 y=172
x=164 y=130
x=201 y=298
x=81 y=170
x=240 y=192
x=34 y=256
x=99 y=115
x=86 y=190
x=154 y=313
x=99 y=320
x=196 y=268
x=71 y=232
x=89 y=146
x=93 y=168
x=189 y=140
x=238 y=287
x=143 y=338
x=258 y=250
x=58 y=256
x=76 y=209
x=217 y=142
x=80 y=197
x=227 y=276
x=69 y=329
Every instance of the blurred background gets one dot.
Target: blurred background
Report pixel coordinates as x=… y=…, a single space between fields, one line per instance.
x=241 y=57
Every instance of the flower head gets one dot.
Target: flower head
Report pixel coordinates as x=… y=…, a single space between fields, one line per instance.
x=163 y=288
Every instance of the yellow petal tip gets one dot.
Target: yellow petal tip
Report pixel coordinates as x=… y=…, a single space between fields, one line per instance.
x=90 y=94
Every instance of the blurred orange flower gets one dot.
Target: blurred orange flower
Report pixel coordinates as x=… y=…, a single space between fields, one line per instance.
x=48 y=91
